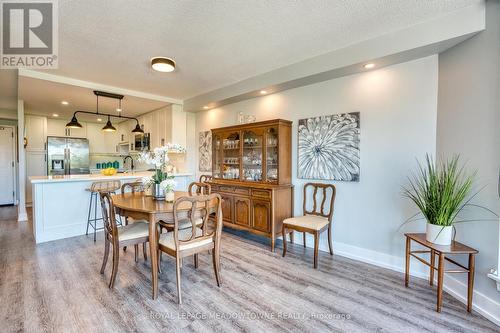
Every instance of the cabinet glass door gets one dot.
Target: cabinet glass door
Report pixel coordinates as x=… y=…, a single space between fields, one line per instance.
x=231 y=156
x=216 y=157
x=252 y=155
x=272 y=154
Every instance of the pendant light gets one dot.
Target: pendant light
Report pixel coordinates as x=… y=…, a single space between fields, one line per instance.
x=108 y=127
x=74 y=123
x=138 y=129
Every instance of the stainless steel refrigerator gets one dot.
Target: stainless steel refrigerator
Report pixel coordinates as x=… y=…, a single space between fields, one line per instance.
x=67 y=156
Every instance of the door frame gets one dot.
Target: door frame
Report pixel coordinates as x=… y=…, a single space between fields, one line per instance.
x=15 y=160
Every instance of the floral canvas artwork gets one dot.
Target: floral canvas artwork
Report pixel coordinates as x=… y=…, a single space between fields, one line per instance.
x=328 y=147
x=205 y=151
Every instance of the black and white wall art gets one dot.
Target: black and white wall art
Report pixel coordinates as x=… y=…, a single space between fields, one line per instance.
x=205 y=151
x=328 y=147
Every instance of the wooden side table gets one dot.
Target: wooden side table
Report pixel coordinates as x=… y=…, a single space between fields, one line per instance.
x=441 y=251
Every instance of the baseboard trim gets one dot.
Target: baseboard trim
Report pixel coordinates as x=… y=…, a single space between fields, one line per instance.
x=22 y=217
x=482 y=303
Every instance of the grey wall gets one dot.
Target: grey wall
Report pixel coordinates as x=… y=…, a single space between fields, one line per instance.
x=469 y=124
x=397 y=106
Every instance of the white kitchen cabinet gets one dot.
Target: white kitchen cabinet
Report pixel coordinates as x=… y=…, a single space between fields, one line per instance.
x=57 y=127
x=101 y=142
x=36 y=165
x=123 y=132
x=35 y=132
x=162 y=127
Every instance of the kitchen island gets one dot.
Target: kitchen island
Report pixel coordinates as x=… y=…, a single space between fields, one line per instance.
x=61 y=203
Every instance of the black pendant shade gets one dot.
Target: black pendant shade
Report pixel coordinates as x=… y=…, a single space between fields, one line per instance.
x=74 y=123
x=137 y=129
x=109 y=127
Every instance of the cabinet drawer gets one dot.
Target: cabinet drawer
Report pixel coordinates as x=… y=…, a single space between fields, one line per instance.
x=229 y=189
x=242 y=190
x=265 y=194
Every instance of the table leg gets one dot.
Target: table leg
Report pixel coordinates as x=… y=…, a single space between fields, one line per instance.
x=433 y=262
x=153 y=251
x=470 y=286
x=407 y=269
x=440 y=282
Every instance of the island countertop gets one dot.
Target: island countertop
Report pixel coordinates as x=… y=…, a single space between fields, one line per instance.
x=96 y=177
x=62 y=205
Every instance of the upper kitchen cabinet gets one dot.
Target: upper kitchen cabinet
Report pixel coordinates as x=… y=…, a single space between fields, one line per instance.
x=35 y=132
x=57 y=127
x=101 y=142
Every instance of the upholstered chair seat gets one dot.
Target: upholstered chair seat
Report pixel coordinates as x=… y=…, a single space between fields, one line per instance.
x=312 y=222
x=138 y=228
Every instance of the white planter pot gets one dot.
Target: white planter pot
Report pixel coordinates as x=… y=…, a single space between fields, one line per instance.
x=438 y=234
x=169 y=196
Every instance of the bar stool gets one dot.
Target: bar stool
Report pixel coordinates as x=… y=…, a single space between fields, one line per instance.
x=97 y=187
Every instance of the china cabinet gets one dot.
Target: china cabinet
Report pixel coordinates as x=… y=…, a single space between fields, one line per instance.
x=251 y=170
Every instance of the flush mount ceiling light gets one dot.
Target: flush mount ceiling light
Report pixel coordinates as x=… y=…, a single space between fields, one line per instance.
x=109 y=126
x=162 y=64
x=64 y=103
x=369 y=65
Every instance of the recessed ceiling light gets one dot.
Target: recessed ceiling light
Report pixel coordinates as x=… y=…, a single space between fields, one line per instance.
x=55 y=115
x=162 y=64
x=205 y=107
x=99 y=119
x=119 y=110
x=263 y=92
x=64 y=103
x=369 y=65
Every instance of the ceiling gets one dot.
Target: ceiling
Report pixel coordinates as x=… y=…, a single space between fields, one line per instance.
x=43 y=97
x=215 y=43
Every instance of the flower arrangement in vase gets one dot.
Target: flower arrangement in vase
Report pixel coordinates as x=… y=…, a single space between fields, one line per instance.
x=160 y=160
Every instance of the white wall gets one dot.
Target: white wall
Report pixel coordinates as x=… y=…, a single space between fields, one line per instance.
x=469 y=124
x=398 y=123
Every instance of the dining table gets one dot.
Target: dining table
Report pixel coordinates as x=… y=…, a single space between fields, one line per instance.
x=140 y=206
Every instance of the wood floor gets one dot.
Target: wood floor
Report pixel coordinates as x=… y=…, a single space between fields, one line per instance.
x=56 y=287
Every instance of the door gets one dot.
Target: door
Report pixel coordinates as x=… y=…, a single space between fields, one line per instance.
x=56 y=152
x=227 y=208
x=7 y=165
x=253 y=143
x=242 y=211
x=261 y=215
x=231 y=155
x=78 y=154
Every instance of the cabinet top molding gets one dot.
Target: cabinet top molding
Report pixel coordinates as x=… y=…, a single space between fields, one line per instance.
x=256 y=124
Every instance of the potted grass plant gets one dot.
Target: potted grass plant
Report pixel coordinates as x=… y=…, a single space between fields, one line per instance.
x=440 y=191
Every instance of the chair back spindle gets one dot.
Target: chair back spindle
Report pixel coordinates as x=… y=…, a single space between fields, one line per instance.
x=205 y=178
x=198 y=188
x=199 y=209
x=134 y=187
x=109 y=217
x=324 y=192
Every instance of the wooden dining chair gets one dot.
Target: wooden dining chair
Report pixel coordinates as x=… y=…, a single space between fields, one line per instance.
x=205 y=178
x=132 y=234
x=196 y=239
x=135 y=187
x=199 y=188
x=313 y=221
